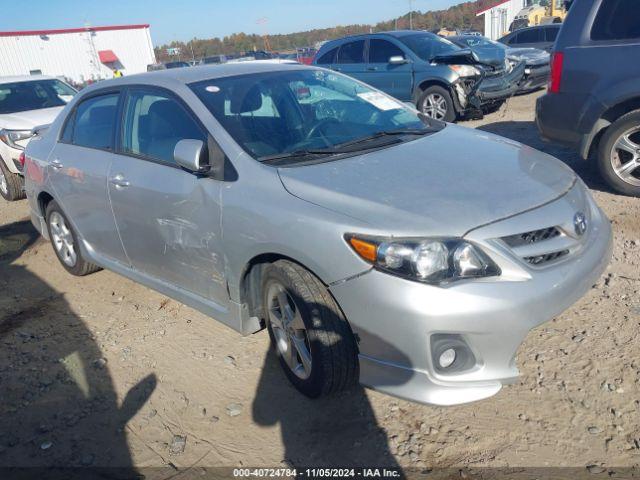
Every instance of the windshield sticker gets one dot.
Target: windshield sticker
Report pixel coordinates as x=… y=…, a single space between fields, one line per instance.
x=212 y=89
x=380 y=101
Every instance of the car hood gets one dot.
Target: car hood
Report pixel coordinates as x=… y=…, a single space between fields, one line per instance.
x=444 y=184
x=532 y=56
x=29 y=119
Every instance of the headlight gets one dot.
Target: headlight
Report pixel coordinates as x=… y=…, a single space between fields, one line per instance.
x=465 y=70
x=435 y=261
x=10 y=137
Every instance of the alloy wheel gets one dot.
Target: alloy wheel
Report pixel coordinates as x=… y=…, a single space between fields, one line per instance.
x=625 y=157
x=62 y=239
x=4 y=187
x=434 y=105
x=289 y=331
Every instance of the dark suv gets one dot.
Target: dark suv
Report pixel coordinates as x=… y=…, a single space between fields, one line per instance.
x=593 y=99
x=441 y=79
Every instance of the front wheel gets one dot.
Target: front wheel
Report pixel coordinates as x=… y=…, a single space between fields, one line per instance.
x=11 y=184
x=436 y=102
x=312 y=339
x=619 y=154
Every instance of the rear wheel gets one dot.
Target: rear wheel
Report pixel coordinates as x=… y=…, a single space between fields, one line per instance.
x=619 y=154
x=65 y=242
x=312 y=339
x=436 y=102
x=11 y=184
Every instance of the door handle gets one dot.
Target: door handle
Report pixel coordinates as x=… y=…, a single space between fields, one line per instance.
x=56 y=164
x=371 y=69
x=118 y=181
x=337 y=69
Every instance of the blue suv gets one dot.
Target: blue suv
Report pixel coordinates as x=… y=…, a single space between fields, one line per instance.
x=441 y=79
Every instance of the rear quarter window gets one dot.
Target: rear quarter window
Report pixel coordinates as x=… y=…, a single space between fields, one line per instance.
x=617 y=20
x=328 y=57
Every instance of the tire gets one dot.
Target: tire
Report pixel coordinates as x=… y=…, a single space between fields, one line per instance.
x=433 y=96
x=316 y=322
x=11 y=184
x=493 y=107
x=612 y=159
x=65 y=242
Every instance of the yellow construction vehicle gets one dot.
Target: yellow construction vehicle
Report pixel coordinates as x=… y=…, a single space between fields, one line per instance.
x=539 y=12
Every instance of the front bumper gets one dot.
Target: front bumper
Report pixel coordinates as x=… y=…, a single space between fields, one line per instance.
x=395 y=319
x=500 y=87
x=535 y=77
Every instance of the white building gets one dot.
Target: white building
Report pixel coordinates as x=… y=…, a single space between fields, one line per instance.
x=498 y=15
x=79 y=54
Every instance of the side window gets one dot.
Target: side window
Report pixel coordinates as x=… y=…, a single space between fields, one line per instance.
x=529 y=36
x=617 y=20
x=380 y=51
x=154 y=124
x=95 y=120
x=352 y=52
x=327 y=58
x=551 y=33
x=67 y=133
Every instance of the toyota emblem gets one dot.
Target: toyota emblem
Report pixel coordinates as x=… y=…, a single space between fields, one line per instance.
x=580 y=223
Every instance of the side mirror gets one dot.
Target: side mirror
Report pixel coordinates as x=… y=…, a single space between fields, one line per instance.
x=192 y=155
x=397 y=60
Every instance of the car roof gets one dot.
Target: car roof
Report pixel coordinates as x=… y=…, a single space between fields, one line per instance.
x=390 y=33
x=173 y=76
x=24 y=78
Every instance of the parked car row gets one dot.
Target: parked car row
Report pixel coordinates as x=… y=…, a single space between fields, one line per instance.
x=441 y=79
x=252 y=191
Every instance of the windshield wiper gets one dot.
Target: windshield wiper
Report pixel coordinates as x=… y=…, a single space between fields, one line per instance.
x=298 y=153
x=387 y=133
x=339 y=148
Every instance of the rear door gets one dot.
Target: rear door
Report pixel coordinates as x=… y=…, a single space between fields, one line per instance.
x=350 y=59
x=394 y=79
x=78 y=170
x=169 y=219
x=530 y=37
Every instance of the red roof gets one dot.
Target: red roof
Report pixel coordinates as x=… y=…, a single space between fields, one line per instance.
x=107 y=56
x=22 y=33
x=484 y=5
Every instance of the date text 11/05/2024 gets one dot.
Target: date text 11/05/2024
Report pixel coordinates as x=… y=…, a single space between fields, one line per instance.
x=317 y=472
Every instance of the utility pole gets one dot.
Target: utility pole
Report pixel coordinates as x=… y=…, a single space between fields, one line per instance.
x=410 y=14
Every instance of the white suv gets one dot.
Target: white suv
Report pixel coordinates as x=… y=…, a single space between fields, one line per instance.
x=25 y=102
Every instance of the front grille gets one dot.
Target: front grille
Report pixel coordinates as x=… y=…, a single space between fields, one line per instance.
x=534 y=236
x=548 y=257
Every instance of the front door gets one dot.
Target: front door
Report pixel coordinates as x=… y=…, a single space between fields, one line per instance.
x=79 y=167
x=168 y=218
x=393 y=79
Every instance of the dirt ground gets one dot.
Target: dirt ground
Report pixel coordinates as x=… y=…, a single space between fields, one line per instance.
x=100 y=371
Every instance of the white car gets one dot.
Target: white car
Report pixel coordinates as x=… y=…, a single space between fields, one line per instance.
x=25 y=103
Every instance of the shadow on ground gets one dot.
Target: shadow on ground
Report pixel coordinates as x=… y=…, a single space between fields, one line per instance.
x=58 y=406
x=526 y=132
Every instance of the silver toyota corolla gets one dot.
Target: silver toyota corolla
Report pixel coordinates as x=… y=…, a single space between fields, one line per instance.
x=374 y=244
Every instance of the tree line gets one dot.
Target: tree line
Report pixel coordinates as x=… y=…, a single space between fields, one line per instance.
x=462 y=16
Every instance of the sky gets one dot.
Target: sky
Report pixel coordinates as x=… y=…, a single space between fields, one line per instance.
x=186 y=19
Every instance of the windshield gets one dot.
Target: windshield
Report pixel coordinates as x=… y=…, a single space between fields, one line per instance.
x=284 y=112
x=428 y=46
x=34 y=95
x=480 y=42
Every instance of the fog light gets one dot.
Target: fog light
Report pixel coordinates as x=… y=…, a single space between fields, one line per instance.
x=447 y=358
